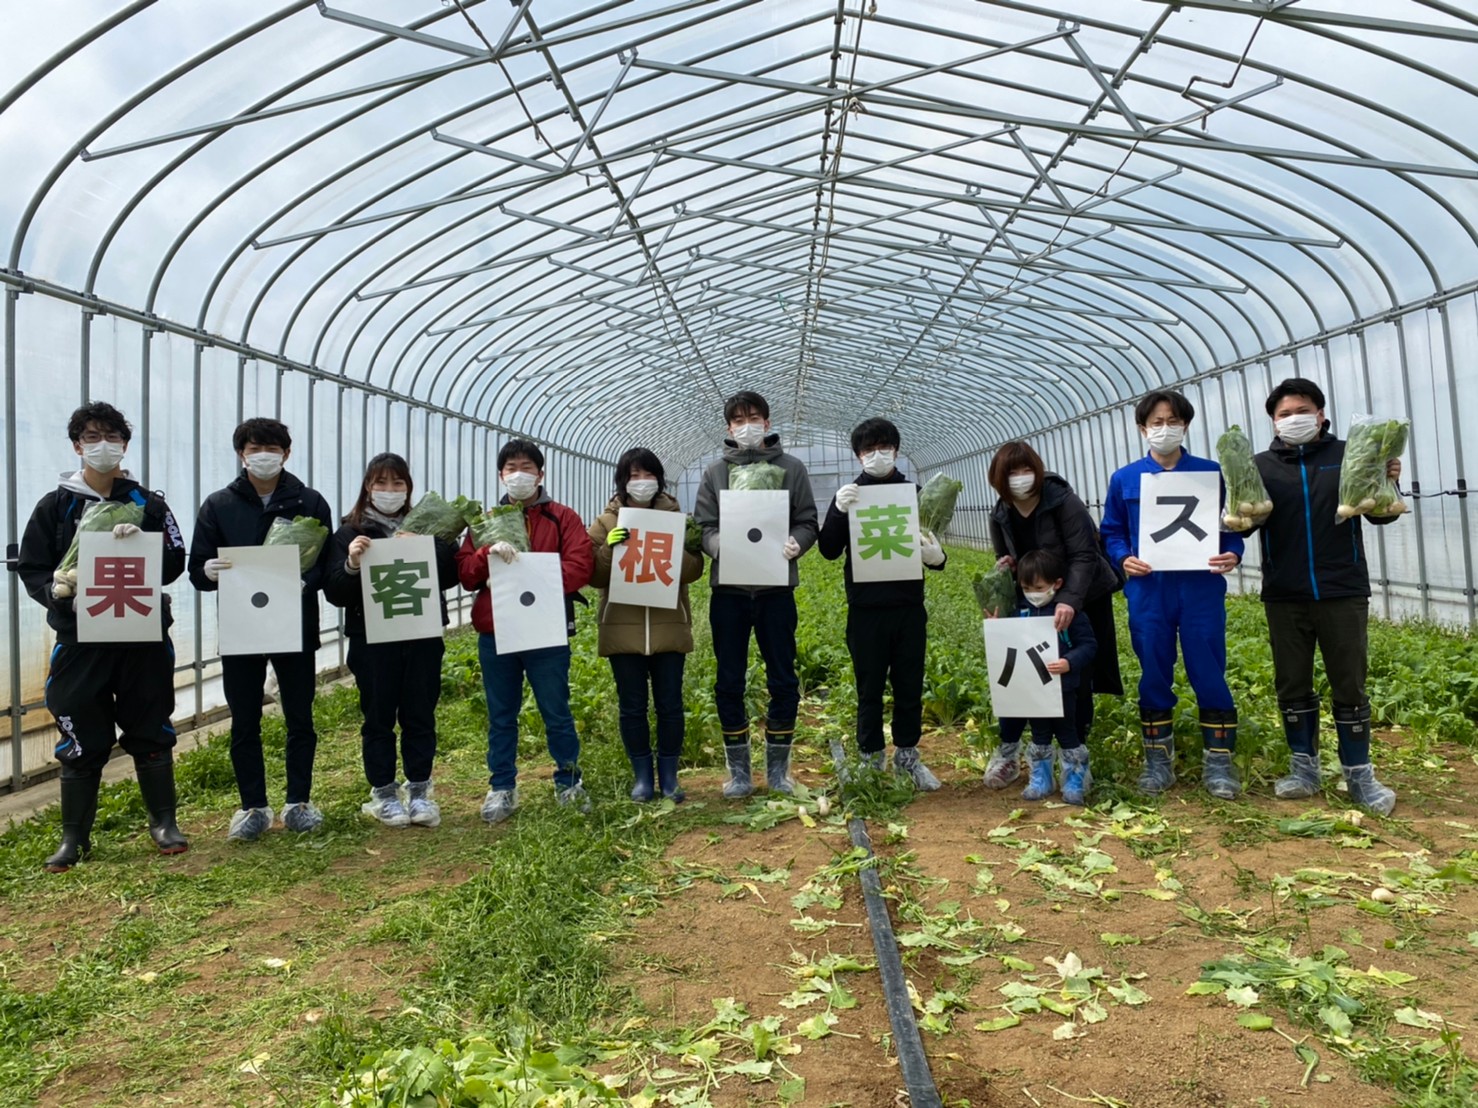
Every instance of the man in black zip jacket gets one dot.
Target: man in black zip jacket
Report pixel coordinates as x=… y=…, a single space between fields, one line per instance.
x=96 y=690
x=887 y=625
x=241 y=515
x=1316 y=592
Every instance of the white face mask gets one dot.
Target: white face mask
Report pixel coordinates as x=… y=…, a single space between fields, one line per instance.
x=104 y=456
x=263 y=465
x=1021 y=484
x=520 y=486
x=749 y=435
x=387 y=503
x=641 y=492
x=1165 y=439
x=1040 y=599
x=1296 y=430
x=879 y=463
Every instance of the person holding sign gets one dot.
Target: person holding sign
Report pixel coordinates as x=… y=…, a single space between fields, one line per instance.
x=1041 y=574
x=396 y=680
x=768 y=611
x=1184 y=603
x=646 y=642
x=548 y=528
x=98 y=691
x=1316 y=592
x=240 y=515
x=887 y=626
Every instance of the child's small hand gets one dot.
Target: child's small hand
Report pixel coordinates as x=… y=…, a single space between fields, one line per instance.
x=1059 y=666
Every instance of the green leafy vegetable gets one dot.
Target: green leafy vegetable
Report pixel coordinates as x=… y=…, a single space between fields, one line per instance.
x=937 y=503
x=1363 y=485
x=304 y=532
x=995 y=591
x=103 y=515
x=760 y=475
x=503 y=524
x=435 y=517
x=1248 y=503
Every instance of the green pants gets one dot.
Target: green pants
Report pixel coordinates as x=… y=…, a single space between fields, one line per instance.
x=1337 y=628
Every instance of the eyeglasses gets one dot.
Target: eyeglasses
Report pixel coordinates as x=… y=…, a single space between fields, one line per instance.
x=91 y=437
x=1175 y=423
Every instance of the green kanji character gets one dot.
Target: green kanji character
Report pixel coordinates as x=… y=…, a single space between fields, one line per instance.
x=393 y=586
x=884 y=531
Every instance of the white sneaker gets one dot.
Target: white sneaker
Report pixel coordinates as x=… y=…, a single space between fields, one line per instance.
x=249 y=824
x=499 y=804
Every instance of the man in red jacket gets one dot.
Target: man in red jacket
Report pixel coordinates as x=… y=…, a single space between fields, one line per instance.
x=552 y=529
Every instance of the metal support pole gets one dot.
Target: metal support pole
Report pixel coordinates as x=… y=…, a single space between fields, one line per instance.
x=1380 y=532
x=196 y=488
x=1457 y=459
x=1416 y=506
x=12 y=522
x=84 y=357
x=240 y=388
x=145 y=359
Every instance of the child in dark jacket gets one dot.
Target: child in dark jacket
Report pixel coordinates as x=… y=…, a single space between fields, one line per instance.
x=1040 y=573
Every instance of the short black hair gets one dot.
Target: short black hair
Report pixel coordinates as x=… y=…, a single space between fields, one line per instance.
x=1296 y=386
x=1180 y=407
x=1040 y=566
x=109 y=418
x=263 y=432
x=873 y=433
x=638 y=456
x=745 y=401
x=520 y=448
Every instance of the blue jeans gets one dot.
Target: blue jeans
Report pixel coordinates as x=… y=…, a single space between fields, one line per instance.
x=770 y=614
x=548 y=671
x=632 y=671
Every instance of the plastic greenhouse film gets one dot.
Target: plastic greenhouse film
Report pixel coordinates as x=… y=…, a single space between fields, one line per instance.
x=1364 y=488
x=503 y=524
x=995 y=591
x=1248 y=503
x=305 y=532
x=937 y=503
x=101 y=516
x=435 y=517
x=760 y=475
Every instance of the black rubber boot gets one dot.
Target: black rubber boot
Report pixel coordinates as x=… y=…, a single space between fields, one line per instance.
x=156 y=784
x=667 y=778
x=1301 y=728
x=1218 y=741
x=1158 y=773
x=79 y=810
x=643 y=790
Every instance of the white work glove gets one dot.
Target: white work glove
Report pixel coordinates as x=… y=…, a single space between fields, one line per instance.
x=357 y=548
x=64 y=583
x=846 y=497
x=213 y=566
x=791 y=550
x=123 y=530
x=930 y=551
x=503 y=550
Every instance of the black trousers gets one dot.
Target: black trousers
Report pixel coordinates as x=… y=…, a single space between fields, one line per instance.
x=771 y=615
x=887 y=647
x=1338 y=628
x=397 y=680
x=101 y=694
x=244 y=677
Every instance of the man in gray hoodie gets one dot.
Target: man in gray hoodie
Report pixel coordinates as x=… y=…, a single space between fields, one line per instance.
x=734 y=611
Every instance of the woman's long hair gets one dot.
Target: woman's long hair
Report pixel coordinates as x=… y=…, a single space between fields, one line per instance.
x=381 y=465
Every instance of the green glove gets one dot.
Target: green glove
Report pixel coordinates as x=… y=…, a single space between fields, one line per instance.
x=617 y=535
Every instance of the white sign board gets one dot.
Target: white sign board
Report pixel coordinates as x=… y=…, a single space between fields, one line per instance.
x=402 y=596
x=1179 y=520
x=1016 y=655
x=119 y=587
x=260 y=601
x=753 y=526
x=528 y=596
x=884 y=527
x=645 y=569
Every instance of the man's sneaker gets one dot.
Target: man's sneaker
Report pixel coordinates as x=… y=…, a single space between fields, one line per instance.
x=907 y=763
x=424 y=811
x=574 y=796
x=499 y=804
x=1004 y=766
x=249 y=824
x=302 y=817
x=385 y=806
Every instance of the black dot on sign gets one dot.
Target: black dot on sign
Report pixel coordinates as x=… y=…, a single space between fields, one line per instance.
x=259 y=599
x=755 y=534
x=527 y=600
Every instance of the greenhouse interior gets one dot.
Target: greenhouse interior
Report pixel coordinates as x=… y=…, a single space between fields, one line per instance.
x=435 y=226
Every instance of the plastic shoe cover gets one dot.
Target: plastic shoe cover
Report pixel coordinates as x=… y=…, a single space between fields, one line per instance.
x=385 y=806
x=424 y=811
x=907 y=763
x=874 y=759
x=499 y=804
x=1303 y=780
x=741 y=780
x=1040 y=784
x=1367 y=792
x=302 y=817
x=1077 y=778
x=574 y=796
x=1004 y=766
x=777 y=768
x=1218 y=775
x=250 y=824
x=1159 y=768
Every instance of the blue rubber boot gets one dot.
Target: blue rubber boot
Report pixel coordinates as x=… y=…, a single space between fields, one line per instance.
x=1352 y=725
x=1218 y=740
x=1158 y=731
x=667 y=778
x=1040 y=782
x=1301 y=729
x=645 y=788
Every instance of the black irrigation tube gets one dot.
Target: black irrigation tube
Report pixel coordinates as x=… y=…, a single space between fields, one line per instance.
x=906 y=1041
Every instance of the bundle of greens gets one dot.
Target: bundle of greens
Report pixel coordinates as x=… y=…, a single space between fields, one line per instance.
x=1363 y=484
x=937 y=503
x=470 y=510
x=995 y=591
x=503 y=524
x=304 y=532
x=693 y=537
x=104 y=515
x=1248 y=504
x=759 y=475
x=435 y=517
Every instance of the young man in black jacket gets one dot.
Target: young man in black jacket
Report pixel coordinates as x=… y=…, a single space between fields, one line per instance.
x=887 y=626
x=1316 y=592
x=241 y=515
x=95 y=690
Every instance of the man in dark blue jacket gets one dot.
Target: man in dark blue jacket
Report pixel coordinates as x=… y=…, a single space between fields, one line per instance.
x=241 y=515
x=1316 y=592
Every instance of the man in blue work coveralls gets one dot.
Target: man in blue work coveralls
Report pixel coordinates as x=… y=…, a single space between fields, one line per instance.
x=1188 y=604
